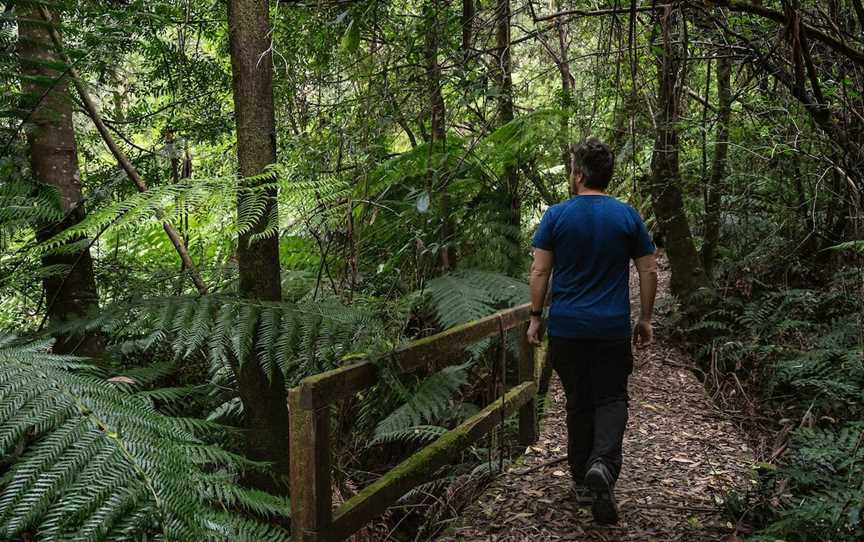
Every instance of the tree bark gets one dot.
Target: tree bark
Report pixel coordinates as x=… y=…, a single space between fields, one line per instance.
x=438 y=129
x=503 y=68
x=263 y=395
x=467 y=28
x=668 y=202
x=563 y=63
x=714 y=197
x=54 y=162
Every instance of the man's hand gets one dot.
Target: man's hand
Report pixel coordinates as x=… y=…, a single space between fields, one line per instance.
x=534 y=331
x=643 y=333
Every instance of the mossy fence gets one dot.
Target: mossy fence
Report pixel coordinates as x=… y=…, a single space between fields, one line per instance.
x=312 y=515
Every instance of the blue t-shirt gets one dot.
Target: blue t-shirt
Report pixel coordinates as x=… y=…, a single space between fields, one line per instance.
x=593 y=238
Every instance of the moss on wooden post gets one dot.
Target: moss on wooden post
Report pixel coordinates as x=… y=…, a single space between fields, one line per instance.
x=528 y=426
x=313 y=519
x=375 y=498
x=311 y=497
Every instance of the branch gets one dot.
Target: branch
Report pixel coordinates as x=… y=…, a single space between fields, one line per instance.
x=746 y=7
x=124 y=162
x=741 y=6
x=696 y=96
x=595 y=13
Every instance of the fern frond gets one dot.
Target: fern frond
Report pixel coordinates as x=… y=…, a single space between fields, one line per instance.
x=419 y=434
x=468 y=294
x=86 y=460
x=428 y=402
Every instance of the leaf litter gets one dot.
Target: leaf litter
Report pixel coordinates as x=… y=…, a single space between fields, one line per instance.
x=682 y=455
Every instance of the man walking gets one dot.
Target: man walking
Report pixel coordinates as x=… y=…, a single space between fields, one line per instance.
x=589 y=241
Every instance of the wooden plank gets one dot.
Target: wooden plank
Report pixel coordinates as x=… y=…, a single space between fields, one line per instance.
x=324 y=388
x=422 y=352
x=309 y=446
x=528 y=425
x=374 y=499
x=327 y=387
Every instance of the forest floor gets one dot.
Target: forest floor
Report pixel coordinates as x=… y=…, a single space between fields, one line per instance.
x=681 y=456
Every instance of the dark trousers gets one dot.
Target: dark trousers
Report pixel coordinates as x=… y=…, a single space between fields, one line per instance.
x=594 y=374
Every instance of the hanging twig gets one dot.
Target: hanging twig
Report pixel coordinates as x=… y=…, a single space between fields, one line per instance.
x=121 y=158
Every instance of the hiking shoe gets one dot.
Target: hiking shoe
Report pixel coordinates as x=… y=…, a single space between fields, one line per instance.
x=580 y=494
x=599 y=481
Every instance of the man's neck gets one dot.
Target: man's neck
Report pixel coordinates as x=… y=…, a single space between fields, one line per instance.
x=583 y=191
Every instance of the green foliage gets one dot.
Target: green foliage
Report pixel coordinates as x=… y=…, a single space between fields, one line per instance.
x=825 y=477
x=86 y=460
x=298 y=339
x=525 y=137
x=427 y=402
x=420 y=434
x=802 y=345
x=852 y=246
x=367 y=205
x=455 y=298
x=469 y=294
x=23 y=204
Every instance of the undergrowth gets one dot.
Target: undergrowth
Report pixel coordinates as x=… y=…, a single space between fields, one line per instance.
x=795 y=354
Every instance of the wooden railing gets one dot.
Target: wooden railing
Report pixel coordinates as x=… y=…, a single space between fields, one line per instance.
x=312 y=516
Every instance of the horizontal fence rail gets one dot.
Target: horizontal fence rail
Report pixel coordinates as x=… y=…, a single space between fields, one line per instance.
x=313 y=518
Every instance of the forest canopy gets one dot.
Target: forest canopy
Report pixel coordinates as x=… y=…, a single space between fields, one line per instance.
x=203 y=202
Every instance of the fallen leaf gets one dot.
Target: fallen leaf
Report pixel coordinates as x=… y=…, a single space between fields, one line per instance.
x=682 y=460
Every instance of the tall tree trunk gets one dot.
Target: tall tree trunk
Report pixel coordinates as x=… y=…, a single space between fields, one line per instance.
x=467 y=29
x=54 y=162
x=503 y=68
x=687 y=272
x=714 y=197
x=438 y=129
x=563 y=63
x=263 y=395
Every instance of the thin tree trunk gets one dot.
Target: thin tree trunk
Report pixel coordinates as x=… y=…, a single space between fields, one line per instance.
x=567 y=80
x=263 y=395
x=54 y=162
x=467 y=28
x=438 y=115
x=503 y=67
x=714 y=198
x=687 y=272
x=121 y=158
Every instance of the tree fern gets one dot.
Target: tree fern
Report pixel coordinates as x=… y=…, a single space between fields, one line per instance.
x=24 y=204
x=466 y=295
x=85 y=460
x=217 y=195
x=427 y=402
x=297 y=338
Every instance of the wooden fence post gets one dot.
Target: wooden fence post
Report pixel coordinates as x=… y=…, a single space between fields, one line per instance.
x=311 y=497
x=528 y=427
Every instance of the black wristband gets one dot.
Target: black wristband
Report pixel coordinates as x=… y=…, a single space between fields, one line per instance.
x=536 y=313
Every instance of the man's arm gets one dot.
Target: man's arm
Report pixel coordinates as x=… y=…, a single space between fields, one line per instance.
x=538 y=282
x=647 y=268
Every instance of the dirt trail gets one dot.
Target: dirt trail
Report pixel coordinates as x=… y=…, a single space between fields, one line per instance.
x=680 y=456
